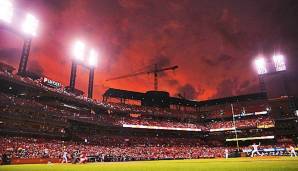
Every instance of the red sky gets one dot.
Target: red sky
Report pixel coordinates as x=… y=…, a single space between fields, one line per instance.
x=212 y=42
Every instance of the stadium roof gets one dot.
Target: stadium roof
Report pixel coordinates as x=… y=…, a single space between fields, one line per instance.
x=233 y=99
x=125 y=94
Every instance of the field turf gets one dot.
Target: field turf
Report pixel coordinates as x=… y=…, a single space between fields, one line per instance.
x=238 y=164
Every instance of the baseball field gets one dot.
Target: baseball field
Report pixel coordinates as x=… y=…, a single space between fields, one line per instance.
x=237 y=164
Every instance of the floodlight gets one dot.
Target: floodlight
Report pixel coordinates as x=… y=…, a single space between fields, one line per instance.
x=279 y=62
x=30 y=25
x=6 y=11
x=78 y=50
x=260 y=65
x=92 y=60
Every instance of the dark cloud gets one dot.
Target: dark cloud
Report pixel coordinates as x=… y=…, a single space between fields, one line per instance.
x=131 y=4
x=247 y=87
x=189 y=92
x=224 y=58
x=227 y=27
x=233 y=87
x=162 y=61
x=10 y=55
x=221 y=59
x=226 y=88
x=35 y=67
x=173 y=82
x=57 y=5
x=284 y=15
x=244 y=84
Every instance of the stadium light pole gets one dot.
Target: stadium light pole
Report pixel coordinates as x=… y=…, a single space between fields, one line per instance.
x=29 y=28
x=78 y=56
x=6 y=11
x=261 y=68
x=92 y=62
x=280 y=66
x=279 y=62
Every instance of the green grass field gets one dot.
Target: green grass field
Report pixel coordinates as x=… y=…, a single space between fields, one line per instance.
x=247 y=164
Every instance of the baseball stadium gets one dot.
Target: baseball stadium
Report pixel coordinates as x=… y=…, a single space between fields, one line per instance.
x=127 y=105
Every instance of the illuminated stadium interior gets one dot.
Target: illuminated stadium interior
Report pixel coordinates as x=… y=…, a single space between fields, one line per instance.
x=100 y=98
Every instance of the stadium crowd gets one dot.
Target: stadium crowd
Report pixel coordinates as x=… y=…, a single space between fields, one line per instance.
x=113 y=148
x=33 y=110
x=21 y=147
x=241 y=123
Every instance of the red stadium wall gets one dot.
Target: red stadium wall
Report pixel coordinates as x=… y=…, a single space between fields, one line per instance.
x=34 y=161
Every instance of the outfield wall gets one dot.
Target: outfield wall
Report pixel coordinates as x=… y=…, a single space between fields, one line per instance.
x=34 y=161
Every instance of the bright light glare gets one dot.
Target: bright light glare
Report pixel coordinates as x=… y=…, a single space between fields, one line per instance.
x=279 y=62
x=92 y=60
x=79 y=50
x=260 y=65
x=6 y=11
x=30 y=25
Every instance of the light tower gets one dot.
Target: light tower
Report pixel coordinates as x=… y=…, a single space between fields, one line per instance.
x=280 y=67
x=92 y=62
x=277 y=66
x=78 y=56
x=260 y=65
x=29 y=28
x=279 y=62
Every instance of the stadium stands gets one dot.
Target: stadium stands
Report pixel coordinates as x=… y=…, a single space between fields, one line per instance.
x=111 y=146
x=61 y=121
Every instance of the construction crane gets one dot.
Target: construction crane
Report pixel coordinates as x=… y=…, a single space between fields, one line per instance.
x=155 y=72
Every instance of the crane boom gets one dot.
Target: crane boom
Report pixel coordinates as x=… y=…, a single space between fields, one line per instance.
x=155 y=71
